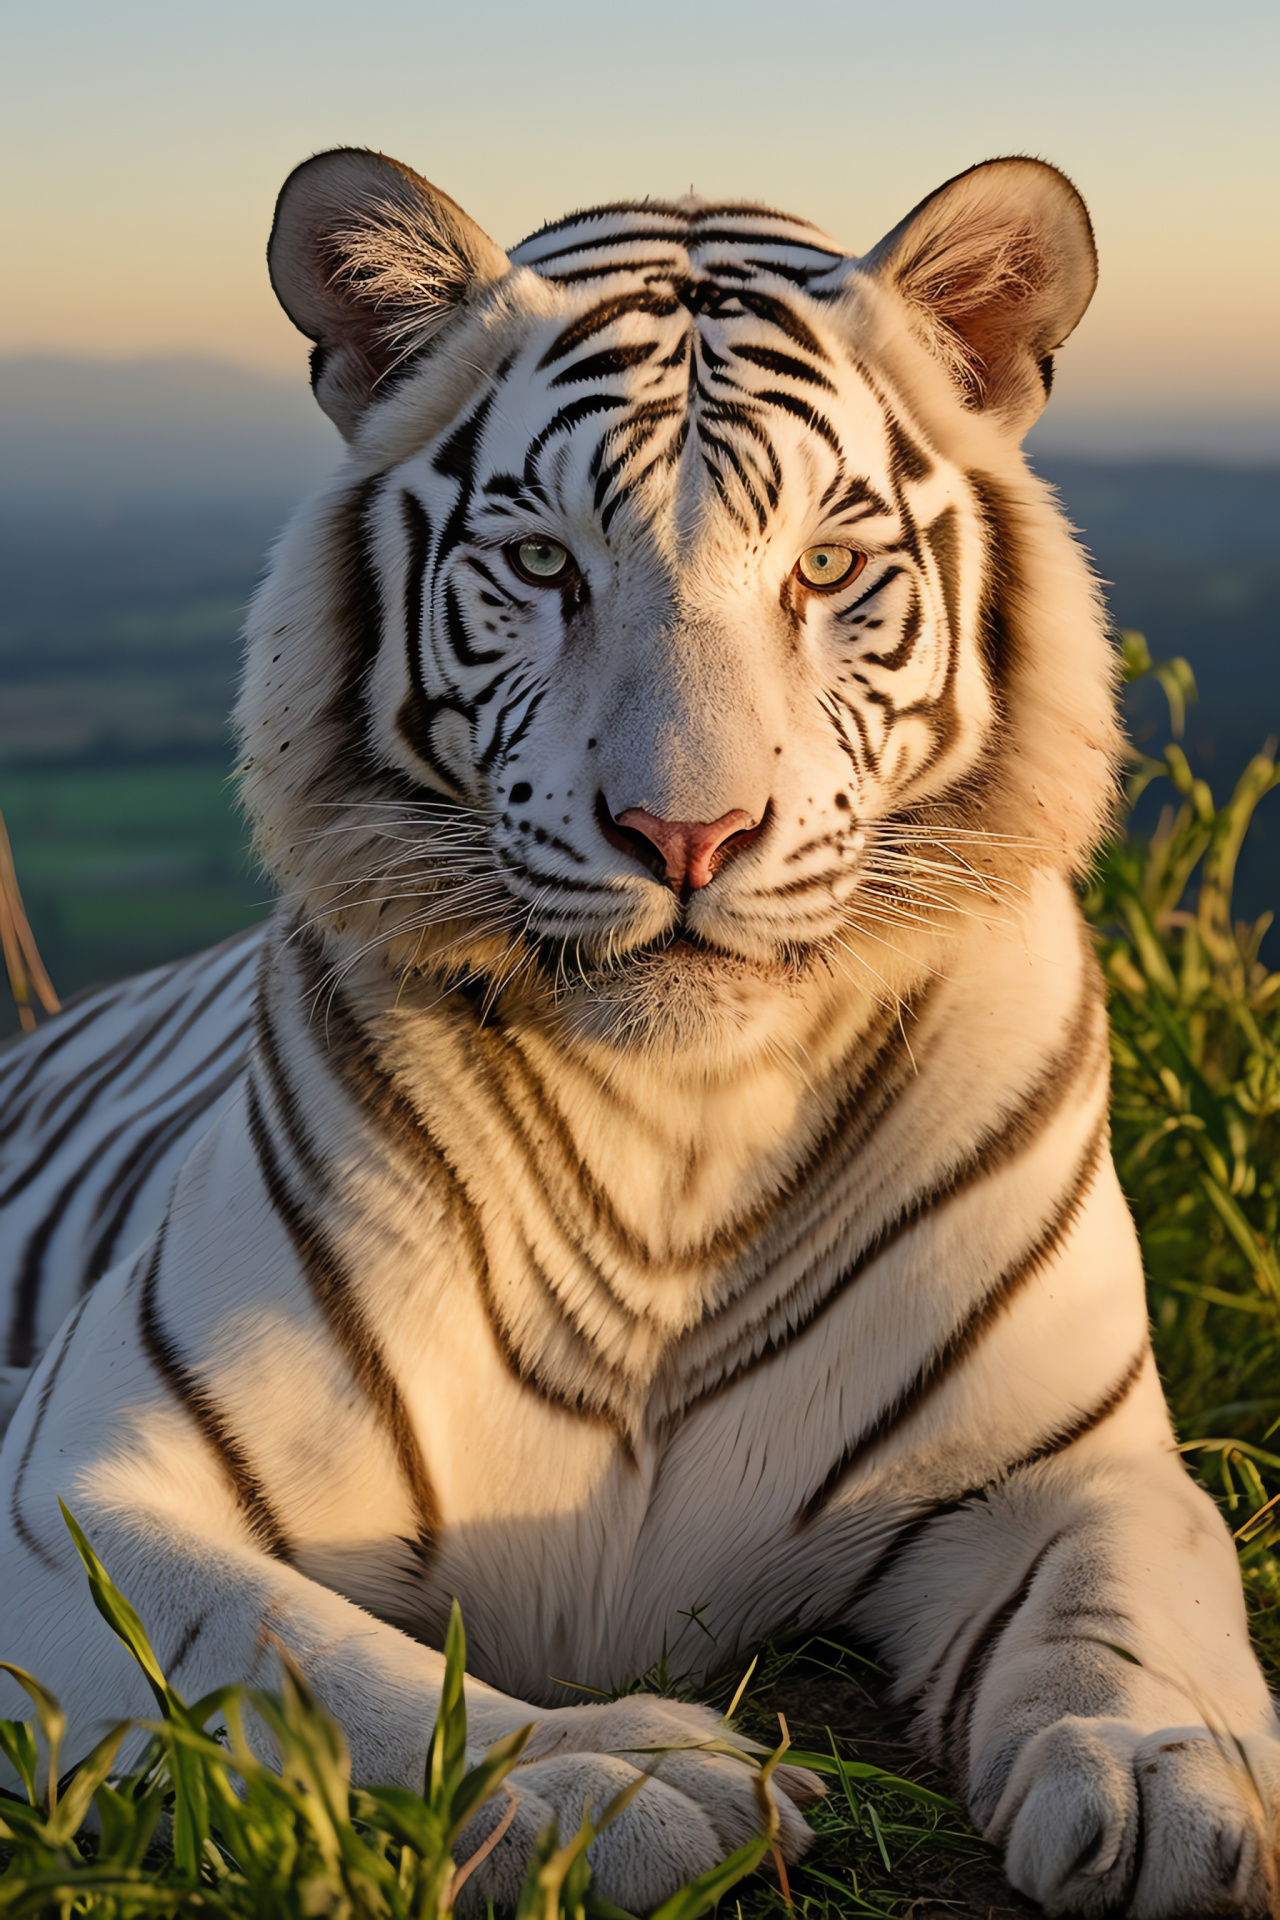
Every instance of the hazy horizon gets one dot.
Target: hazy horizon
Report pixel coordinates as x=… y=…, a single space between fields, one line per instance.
x=102 y=429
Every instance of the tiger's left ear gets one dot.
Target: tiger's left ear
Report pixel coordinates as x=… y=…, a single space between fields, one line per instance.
x=996 y=268
x=369 y=260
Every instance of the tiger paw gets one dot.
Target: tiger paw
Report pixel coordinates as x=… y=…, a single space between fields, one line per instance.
x=693 y=1809
x=1099 y=1817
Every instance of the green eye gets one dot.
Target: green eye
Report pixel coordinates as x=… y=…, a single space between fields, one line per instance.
x=540 y=561
x=825 y=568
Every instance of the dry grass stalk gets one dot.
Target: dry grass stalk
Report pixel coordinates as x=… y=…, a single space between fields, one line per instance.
x=21 y=955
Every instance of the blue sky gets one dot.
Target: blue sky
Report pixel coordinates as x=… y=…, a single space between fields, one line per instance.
x=142 y=143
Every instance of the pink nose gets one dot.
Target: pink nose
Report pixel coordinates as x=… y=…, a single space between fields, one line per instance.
x=693 y=851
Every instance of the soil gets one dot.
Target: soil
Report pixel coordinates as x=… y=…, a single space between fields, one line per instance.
x=935 y=1885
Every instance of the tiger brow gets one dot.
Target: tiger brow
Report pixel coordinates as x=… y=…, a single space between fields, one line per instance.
x=783 y=363
x=587 y=325
x=664 y=267
x=858 y=493
x=785 y=318
x=509 y=486
x=609 y=360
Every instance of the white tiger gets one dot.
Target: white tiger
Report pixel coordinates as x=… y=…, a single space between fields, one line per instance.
x=667 y=1197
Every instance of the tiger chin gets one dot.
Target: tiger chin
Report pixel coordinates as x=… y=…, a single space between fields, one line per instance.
x=649 y=1177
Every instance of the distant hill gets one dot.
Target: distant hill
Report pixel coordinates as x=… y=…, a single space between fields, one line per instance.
x=105 y=434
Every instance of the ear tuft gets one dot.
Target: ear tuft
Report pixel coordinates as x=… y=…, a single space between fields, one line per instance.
x=370 y=261
x=996 y=268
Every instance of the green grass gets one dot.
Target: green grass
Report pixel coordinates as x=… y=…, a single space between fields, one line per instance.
x=1195 y=1019
x=1196 y=1137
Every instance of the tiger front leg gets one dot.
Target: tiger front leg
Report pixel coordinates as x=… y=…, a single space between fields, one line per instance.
x=1075 y=1646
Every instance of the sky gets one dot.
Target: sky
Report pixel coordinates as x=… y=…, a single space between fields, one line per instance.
x=142 y=143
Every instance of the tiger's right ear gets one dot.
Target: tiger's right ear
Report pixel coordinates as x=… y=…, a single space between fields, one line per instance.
x=369 y=260
x=995 y=269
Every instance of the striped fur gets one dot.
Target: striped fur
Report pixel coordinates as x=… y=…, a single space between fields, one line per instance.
x=652 y=1268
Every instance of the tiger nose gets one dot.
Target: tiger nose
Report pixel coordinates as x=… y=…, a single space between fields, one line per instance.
x=692 y=852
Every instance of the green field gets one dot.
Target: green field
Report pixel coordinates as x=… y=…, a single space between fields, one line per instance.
x=124 y=867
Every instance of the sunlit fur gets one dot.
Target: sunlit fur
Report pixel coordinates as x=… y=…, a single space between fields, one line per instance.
x=652 y=1273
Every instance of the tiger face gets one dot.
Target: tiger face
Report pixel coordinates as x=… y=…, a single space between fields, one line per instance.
x=671 y=628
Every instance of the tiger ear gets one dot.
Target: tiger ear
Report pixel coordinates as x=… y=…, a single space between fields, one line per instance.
x=369 y=260
x=996 y=268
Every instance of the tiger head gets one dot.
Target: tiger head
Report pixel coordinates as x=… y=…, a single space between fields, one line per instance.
x=683 y=622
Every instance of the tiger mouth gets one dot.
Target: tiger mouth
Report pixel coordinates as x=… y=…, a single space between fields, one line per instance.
x=679 y=949
x=679 y=941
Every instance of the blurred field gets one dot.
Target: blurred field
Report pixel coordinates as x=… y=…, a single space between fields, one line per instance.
x=123 y=867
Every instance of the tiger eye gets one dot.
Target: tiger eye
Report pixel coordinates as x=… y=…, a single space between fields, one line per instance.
x=823 y=569
x=540 y=562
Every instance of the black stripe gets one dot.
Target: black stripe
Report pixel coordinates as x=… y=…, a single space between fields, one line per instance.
x=464 y=652
x=42 y=1047
x=610 y=210
x=206 y=1415
x=958 y=1348
x=107 y=1067
x=529 y=1369
x=20 y=1526
x=798 y=276
x=1087 y=1421
x=358 y=614
x=594 y=243
x=333 y=1290
x=603 y=315
x=30 y=1273
x=141 y=1161
x=225 y=1043
x=892 y=662
x=658 y=269
x=1056 y=1442
x=785 y=364
x=624 y=442
x=600 y=365
x=736 y=237
x=368 y=1083
x=126 y=1050
x=908 y=462
x=21 y=1347
x=21 y=1340
x=943 y=540
x=1003 y=583
x=777 y=313
x=727 y=451
x=683 y=218
x=191 y=1634
x=957 y=1712
x=418 y=711
x=870 y=592
x=224 y=984
x=500 y=745
x=565 y=420
x=816 y=422
x=858 y=1117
